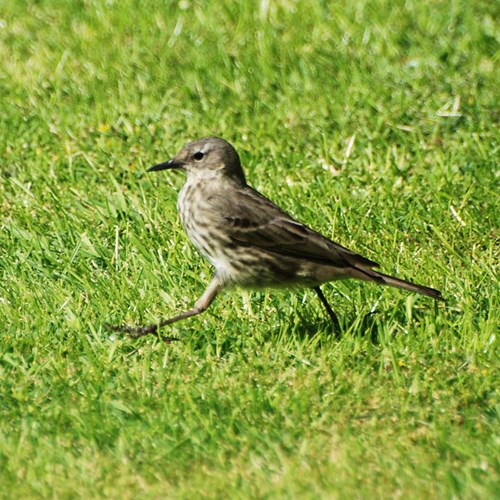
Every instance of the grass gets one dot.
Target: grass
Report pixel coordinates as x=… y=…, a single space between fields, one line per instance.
x=374 y=122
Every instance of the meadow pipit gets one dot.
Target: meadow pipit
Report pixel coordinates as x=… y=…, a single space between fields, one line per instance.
x=249 y=240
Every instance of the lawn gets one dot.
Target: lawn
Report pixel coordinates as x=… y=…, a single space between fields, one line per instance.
x=376 y=123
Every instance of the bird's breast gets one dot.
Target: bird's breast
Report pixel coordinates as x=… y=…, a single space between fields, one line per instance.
x=203 y=225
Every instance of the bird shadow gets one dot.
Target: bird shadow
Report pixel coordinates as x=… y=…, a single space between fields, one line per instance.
x=367 y=325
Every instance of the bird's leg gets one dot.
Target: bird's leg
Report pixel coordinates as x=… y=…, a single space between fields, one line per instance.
x=200 y=305
x=329 y=310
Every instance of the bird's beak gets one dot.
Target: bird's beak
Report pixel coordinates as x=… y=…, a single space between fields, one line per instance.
x=170 y=164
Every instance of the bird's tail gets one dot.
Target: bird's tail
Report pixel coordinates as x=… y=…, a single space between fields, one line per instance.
x=412 y=287
x=385 y=279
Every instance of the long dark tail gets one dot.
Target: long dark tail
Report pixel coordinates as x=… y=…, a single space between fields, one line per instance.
x=385 y=279
x=407 y=285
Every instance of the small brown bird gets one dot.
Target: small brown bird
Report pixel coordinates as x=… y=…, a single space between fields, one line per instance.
x=249 y=240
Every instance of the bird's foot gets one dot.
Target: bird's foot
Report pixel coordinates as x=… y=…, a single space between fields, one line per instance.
x=141 y=331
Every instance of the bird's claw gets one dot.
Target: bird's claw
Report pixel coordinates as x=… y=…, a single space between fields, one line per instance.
x=140 y=331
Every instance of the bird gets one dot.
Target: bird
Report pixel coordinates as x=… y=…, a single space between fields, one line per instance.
x=250 y=241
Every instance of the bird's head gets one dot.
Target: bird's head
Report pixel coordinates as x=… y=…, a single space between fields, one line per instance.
x=206 y=158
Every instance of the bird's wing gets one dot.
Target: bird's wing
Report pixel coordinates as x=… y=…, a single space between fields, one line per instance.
x=253 y=220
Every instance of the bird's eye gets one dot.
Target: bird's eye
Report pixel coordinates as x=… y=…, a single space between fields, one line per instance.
x=198 y=156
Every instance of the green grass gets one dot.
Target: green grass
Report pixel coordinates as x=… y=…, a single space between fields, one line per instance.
x=259 y=399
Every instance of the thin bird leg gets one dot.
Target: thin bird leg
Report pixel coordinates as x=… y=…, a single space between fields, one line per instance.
x=329 y=310
x=200 y=305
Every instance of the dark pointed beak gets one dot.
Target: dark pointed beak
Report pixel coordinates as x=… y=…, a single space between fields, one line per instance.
x=170 y=164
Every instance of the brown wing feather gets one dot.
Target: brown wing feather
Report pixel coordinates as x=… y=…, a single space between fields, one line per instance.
x=257 y=221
